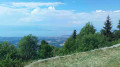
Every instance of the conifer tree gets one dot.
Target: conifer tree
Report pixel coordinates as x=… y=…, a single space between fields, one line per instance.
x=74 y=34
x=106 y=31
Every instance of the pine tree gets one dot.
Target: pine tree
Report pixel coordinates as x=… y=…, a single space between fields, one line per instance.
x=74 y=34
x=106 y=31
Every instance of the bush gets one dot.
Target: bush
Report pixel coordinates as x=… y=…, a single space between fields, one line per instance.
x=91 y=41
x=45 y=51
x=6 y=48
x=69 y=45
x=8 y=62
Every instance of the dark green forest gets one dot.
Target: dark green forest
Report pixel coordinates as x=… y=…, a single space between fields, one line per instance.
x=28 y=48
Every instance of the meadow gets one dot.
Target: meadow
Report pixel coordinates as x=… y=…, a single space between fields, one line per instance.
x=105 y=57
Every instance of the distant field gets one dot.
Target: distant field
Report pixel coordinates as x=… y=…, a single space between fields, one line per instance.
x=109 y=57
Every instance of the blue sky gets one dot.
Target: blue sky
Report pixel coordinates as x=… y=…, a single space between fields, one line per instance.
x=54 y=18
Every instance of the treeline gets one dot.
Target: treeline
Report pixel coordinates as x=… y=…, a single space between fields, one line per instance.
x=28 y=48
x=89 y=39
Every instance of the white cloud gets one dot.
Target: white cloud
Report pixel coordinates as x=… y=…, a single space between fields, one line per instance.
x=35 y=4
x=35 y=11
x=50 y=16
x=99 y=11
x=117 y=11
x=7 y=10
x=51 y=8
x=70 y=18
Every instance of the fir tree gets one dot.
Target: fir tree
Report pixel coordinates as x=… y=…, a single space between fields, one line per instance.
x=106 y=31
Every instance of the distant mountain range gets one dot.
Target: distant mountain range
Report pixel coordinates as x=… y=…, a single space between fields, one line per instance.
x=55 y=41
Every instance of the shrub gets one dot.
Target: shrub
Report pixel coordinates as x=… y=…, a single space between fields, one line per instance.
x=91 y=41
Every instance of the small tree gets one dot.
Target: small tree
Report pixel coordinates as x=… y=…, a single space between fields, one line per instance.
x=74 y=34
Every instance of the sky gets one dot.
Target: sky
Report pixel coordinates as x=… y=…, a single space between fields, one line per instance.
x=54 y=17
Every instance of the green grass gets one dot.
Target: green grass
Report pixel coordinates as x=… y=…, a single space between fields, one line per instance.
x=98 y=58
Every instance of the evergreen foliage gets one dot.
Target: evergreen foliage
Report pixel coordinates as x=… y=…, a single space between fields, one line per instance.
x=106 y=31
x=74 y=34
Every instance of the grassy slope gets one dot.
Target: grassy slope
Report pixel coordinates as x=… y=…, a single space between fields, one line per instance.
x=99 y=58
